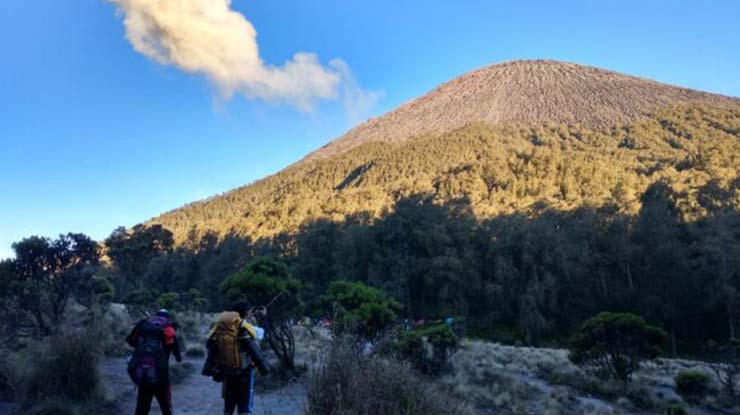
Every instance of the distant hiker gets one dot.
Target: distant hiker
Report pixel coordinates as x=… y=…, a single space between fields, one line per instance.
x=232 y=356
x=153 y=340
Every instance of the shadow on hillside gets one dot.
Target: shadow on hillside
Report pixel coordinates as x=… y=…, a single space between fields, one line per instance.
x=521 y=277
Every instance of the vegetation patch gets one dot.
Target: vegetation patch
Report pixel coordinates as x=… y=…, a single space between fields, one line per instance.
x=352 y=383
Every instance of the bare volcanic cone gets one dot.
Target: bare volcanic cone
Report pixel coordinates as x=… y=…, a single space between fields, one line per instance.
x=524 y=92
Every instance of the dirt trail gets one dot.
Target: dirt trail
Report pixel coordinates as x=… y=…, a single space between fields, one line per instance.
x=199 y=395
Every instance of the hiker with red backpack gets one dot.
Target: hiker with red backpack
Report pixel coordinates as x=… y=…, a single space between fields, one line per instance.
x=233 y=354
x=154 y=339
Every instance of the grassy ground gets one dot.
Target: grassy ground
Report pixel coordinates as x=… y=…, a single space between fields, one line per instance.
x=524 y=380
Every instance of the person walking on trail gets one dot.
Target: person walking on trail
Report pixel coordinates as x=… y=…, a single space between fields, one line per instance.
x=154 y=340
x=233 y=355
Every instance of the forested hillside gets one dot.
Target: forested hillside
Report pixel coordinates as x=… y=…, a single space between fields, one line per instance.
x=498 y=170
x=524 y=232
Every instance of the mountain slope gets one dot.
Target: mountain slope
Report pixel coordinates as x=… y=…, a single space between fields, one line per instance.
x=508 y=138
x=528 y=93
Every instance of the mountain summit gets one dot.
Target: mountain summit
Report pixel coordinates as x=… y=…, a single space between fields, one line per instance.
x=508 y=138
x=528 y=92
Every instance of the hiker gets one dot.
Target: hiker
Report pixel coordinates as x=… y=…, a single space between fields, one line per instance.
x=233 y=355
x=153 y=340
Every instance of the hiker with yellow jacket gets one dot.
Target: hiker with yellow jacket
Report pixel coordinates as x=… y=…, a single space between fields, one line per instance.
x=233 y=355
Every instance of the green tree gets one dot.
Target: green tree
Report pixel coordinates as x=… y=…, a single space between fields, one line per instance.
x=262 y=281
x=359 y=308
x=616 y=343
x=171 y=301
x=50 y=273
x=132 y=250
x=267 y=282
x=140 y=302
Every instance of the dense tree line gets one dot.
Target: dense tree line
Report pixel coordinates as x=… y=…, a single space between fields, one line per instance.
x=527 y=277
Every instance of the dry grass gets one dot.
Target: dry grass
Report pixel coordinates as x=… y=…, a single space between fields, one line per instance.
x=524 y=92
x=351 y=383
x=58 y=376
x=524 y=380
x=311 y=345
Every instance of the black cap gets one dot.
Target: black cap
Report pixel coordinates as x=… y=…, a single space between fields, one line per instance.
x=241 y=307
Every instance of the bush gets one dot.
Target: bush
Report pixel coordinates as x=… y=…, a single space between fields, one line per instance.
x=693 y=386
x=68 y=370
x=359 y=309
x=428 y=348
x=675 y=409
x=171 y=301
x=10 y=377
x=350 y=383
x=616 y=344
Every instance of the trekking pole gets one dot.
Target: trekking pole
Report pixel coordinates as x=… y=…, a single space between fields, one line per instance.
x=266 y=306
x=273 y=300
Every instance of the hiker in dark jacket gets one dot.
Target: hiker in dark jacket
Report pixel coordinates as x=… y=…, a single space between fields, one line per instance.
x=158 y=328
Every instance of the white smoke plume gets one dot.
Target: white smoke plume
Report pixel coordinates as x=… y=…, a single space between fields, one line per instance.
x=209 y=38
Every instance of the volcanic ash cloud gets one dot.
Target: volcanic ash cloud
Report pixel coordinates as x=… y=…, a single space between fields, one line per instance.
x=208 y=37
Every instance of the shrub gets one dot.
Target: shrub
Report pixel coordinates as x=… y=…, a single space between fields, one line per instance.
x=68 y=370
x=10 y=377
x=139 y=302
x=675 y=409
x=616 y=344
x=359 y=309
x=350 y=383
x=693 y=386
x=171 y=301
x=725 y=364
x=428 y=348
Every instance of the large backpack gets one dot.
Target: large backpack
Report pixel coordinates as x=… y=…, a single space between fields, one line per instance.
x=148 y=364
x=230 y=360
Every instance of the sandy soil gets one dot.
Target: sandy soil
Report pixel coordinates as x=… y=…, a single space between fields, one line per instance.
x=198 y=395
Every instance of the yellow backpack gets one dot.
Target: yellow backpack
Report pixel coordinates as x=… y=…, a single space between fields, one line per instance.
x=225 y=336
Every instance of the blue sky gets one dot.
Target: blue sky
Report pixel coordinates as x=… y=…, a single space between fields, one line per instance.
x=96 y=135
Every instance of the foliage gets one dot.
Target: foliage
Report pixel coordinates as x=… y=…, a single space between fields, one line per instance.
x=68 y=370
x=523 y=231
x=140 y=302
x=350 y=383
x=675 y=409
x=616 y=343
x=429 y=347
x=170 y=301
x=133 y=250
x=725 y=363
x=44 y=276
x=358 y=308
x=262 y=281
x=693 y=386
x=193 y=300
